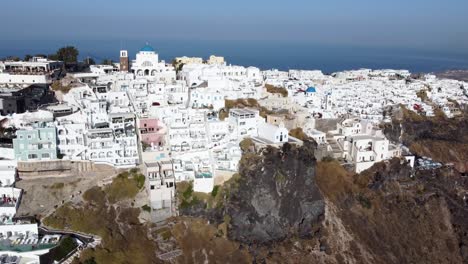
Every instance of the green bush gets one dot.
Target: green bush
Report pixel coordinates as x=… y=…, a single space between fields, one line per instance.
x=215 y=190
x=188 y=192
x=66 y=245
x=139 y=179
x=146 y=208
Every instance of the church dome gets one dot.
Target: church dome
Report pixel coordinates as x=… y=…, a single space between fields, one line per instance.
x=311 y=90
x=147 y=48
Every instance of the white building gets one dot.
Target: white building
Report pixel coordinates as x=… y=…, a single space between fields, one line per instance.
x=160 y=184
x=7 y=172
x=319 y=136
x=39 y=71
x=243 y=123
x=274 y=134
x=147 y=64
x=203 y=182
x=71 y=140
x=363 y=143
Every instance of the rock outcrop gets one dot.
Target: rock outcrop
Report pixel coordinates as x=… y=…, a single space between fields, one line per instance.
x=276 y=197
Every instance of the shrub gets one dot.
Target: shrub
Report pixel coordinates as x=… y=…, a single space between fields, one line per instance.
x=123 y=188
x=215 y=191
x=276 y=90
x=246 y=144
x=140 y=180
x=298 y=133
x=146 y=208
x=188 y=192
x=95 y=195
x=66 y=245
x=58 y=86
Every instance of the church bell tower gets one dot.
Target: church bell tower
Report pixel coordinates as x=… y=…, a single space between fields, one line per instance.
x=124 y=61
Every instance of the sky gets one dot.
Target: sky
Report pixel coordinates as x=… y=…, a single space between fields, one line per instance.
x=428 y=24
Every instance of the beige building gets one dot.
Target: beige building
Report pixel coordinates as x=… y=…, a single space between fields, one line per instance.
x=215 y=60
x=277 y=102
x=189 y=60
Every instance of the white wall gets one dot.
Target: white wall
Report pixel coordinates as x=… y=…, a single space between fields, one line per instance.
x=19 y=229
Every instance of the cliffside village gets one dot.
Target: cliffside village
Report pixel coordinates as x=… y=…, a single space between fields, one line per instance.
x=184 y=121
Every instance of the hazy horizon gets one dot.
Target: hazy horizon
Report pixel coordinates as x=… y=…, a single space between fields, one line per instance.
x=432 y=24
x=330 y=35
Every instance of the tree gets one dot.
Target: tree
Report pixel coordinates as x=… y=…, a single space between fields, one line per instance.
x=52 y=57
x=27 y=57
x=107 y=62
x=13 y=58
x=68 y=54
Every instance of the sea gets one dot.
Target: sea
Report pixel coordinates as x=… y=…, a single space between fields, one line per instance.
x=280 y=55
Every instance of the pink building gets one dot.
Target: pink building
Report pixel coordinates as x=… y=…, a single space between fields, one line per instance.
x=152 y=131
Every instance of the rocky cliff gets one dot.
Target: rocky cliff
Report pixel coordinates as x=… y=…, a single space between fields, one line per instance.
x=276 y=197
x=285 y=207
x=441 y=138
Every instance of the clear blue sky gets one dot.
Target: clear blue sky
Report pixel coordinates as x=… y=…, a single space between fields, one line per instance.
x=432 y=24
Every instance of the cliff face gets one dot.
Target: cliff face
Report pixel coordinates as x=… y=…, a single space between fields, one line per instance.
x=395 y=216
x=441 y=138
x=276 y=197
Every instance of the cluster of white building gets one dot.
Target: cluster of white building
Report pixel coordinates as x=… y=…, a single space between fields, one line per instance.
x=166 y=117
x=366 y=93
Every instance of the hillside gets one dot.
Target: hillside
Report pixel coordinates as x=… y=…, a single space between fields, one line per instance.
x=388 y=214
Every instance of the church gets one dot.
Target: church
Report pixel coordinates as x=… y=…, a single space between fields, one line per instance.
x=147 y=65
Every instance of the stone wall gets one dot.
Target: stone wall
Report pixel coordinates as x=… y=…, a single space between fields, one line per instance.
x=53 y=168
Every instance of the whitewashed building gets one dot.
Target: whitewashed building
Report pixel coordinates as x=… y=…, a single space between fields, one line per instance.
x=273 y=133
x=147 y=64
x=244 y=123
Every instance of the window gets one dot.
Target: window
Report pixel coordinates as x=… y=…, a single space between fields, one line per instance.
x=242 y=123
x=29 y=136
x=32 y=156
x=45 y=155
x=152 y=187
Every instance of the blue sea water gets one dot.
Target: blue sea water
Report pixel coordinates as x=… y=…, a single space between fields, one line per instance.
x=262 y=54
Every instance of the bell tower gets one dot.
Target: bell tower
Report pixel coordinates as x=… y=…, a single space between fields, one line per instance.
x=124 y=61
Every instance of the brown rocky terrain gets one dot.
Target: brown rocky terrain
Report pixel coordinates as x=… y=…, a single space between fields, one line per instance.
x=388 y=214
x=440 y=138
